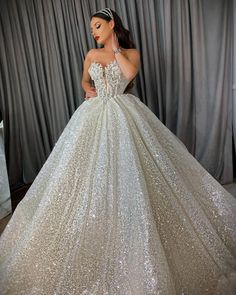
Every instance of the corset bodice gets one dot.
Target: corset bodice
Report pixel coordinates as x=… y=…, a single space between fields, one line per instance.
x=109 y=80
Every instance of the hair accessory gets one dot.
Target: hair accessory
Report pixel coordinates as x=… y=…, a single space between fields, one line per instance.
x=106 y=11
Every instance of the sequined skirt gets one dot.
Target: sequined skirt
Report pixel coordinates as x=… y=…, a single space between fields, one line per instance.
x=120 y=207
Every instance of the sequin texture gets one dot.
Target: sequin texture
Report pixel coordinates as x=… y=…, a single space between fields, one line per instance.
x=120 y=207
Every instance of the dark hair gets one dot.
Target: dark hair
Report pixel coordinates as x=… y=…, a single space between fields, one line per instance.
x=122 y=34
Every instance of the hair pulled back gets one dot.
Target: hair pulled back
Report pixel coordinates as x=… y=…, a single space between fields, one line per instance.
x=122 y=34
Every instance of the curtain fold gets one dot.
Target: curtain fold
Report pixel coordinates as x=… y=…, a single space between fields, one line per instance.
x=185 y=76
x=234 y=80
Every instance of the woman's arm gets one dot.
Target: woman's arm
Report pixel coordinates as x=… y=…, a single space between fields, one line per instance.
x=128 y=64
x=85 y=82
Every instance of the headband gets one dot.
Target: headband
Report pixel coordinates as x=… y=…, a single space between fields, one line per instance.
x=106 y=11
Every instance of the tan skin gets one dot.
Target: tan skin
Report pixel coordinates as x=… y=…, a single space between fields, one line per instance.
x=128 y=59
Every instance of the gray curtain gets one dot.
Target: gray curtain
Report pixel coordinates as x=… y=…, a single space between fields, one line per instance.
x=185 y=76
x=234 y=75
x=198 y=95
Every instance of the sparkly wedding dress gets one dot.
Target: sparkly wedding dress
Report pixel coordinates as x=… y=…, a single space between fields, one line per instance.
x=120 y=207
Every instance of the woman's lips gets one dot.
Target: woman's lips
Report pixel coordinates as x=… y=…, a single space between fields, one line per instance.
x=97 y=37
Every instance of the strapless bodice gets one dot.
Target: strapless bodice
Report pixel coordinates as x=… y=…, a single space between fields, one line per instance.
x=109 y=80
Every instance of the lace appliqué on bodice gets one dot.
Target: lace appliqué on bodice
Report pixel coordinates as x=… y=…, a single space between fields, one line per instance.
x=109 y=80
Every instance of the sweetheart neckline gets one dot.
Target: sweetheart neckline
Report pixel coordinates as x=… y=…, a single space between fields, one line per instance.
x=101 y=66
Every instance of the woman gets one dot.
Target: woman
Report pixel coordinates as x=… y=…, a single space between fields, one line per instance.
x=120 y=206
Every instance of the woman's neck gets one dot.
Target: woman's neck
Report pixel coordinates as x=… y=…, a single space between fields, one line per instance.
x=108 y=45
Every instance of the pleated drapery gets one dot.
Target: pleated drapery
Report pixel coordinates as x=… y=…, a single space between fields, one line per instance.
x=185 y=76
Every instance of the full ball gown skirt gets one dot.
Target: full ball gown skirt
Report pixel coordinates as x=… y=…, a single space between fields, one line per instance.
x=120 y=207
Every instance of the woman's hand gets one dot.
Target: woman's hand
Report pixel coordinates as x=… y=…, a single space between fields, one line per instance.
x=114 y=41
x=90 y=93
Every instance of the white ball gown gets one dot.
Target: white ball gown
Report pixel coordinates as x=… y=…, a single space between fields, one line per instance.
x=120 y=207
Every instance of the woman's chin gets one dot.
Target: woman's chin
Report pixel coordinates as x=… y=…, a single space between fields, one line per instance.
x=100 y=43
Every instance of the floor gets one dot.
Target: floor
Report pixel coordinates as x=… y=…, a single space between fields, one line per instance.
x=3 y=222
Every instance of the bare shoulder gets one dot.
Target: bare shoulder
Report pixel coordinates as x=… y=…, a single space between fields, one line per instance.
x=90 y=54
x=133 y=55
x=87 y=61
x=132 y=52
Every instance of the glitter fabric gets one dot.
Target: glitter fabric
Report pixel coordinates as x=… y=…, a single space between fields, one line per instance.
x=120 y=207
